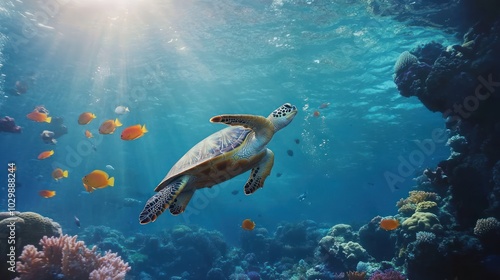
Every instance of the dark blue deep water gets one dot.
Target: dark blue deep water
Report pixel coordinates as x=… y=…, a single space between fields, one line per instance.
x=354 y=149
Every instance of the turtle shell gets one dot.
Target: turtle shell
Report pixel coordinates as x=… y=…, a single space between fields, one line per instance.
x=209 y=149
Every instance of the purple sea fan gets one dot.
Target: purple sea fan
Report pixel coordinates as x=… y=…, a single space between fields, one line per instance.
x=388 y=274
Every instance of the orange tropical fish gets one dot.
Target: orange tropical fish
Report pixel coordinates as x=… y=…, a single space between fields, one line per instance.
x=47 y=193
x=248 y=224
x=109 y=126
x=85 y=118
x=316 y=114
x=97 y=179
x=389 y=224
x=133 y=132
x=39 y=117
x=88 y=134
x=46 y=154
x=58 y=173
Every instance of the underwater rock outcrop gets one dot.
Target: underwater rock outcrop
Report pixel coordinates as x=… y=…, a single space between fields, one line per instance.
x=378 y=243
x=448 y=15
x=456 y=236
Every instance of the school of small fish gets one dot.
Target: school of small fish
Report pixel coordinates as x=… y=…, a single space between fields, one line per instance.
x=96 y=179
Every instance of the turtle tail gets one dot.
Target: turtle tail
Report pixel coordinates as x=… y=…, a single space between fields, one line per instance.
x=157 y=204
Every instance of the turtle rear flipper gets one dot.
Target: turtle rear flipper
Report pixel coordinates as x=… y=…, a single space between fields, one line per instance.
x=180 y=203
x=259 y=173
x=162 y=200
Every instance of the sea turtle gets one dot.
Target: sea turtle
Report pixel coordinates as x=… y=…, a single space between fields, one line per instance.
x=219 y=157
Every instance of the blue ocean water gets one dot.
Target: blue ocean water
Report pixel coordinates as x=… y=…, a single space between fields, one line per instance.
x=175 y=64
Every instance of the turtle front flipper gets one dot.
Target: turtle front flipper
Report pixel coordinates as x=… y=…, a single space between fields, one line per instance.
x=262 y=126
x=162 y=200
x=180 y=203
x=259 y=173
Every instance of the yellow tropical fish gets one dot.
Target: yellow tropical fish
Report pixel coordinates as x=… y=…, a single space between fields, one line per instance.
x=97 y=179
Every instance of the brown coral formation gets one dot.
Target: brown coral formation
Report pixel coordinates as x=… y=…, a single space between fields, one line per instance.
x=426 y=200
x=355 y=275
x=427 y=206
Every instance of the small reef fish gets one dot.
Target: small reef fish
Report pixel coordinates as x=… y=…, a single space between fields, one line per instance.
x=39 y=117
x=77 y=221
x=58 y=174
x=109 y=126
x=302 y=197
x=47 y=193
x=248 y=224
x=110 y=167
x=235 y=192
x=97 y=179
x=88 y=134
x=316 y=114
x=389 y=224
x=133 y=132
x=121 y=110
x=290 y=153
x=324 y=105
x=297 y=141
x=278 y=174
x=86 y=118
x=46 y=154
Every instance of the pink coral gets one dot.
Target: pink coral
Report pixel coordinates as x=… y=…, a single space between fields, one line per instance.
x=388 y=274
x=65 y=257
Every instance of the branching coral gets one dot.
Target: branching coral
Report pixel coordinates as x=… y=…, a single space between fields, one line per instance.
x=407 y=209
x=65 y=257
x=487 y=227
x=420 y=196
x=424 y=237
x=418 y=201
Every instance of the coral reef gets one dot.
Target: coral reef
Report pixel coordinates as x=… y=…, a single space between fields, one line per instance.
x=388 y=274
x=422 y=221
x=487 y=227
x=30 y=227
x=452 y=238
x=65 y=258
x=418 y=201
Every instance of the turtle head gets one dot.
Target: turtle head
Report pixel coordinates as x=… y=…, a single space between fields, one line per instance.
x=282 y=116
